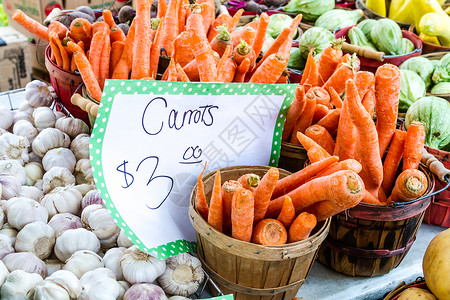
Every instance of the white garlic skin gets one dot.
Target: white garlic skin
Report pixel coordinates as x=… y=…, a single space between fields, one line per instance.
x=26 y=107
x=68 y=281
x=53 y=265
x=32 y=157
x=3 y=273
x=83 y=261
x=178 y=298
x=64 y=221
x=25 y=261
x=92 y=197
x=49 y=290
x=2 y=214
x=59 y=115
x=38 y=93
x=14 y=147
x=31 y=192
x=9 y=232
x=97 y=219
x=22 y=115
x=72 y=126
x=112 y=260
x=62 y=200
x=6 y=118
x=33 y=171
x=83 y=172
x=59 y=157
x=9 y=186
x=14 y=168
x=72 y=240
x=22 y=210
x=57 y=177
x=6 y=246
x=84 y=188
x=26 y=129
x=43 y=117
x=123 y=240
x=37 y=238
x=20 y=285
x=144 y=291
x=124 y=286
x=80 y=146
x=138 y=266
x=47 y=139
x=99 y=284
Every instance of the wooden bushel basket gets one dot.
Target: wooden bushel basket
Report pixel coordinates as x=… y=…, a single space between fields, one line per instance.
x=247 y=270
x=292 y=157
x=371 y=240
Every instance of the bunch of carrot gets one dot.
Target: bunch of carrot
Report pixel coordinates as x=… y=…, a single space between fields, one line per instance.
x=326 y=125
x=243 y=208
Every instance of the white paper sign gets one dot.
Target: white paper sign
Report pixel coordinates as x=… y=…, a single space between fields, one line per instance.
x=152 y=139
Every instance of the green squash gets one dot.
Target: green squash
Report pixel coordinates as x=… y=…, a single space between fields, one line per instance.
x=386 y=35
x=339 y=18
x=317 y=38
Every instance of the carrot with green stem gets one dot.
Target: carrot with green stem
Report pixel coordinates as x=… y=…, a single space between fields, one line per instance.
x=59 y=28
x=364 y=82
x=228 y=189
x=215 y=215
x=387 y=92
x=162 y=8
x=270 y=70
x=294 y=112
x=246 y=34
x=321 y=136
x=123 y=67
x=242 y=207
x=410 y=185
x=223 y=19
x=181 y=74
x=287 y=214
x=116 y=34
x=314 y=151
x=320 y=111
x=203 y=55
x=305 y=119
x=75 y=47
x=285 y=49
x=331 y=121
x=242 y=70
x=335 y=98
x=269 y=232
x=279 y=41
x=81 y=30
x=200 y=198
x=302 y=227
x=414 y=144
x=117 y=48
x=141 y=50
x=221 y=41
x=242 y=51
x=392 y=160
x=88 y=75
x=311 y=73
x=249 y=181
x=32 y=26
x=345 y=71
x=263 y=193
x=329 y=59
x=369 y=101
x=62 y=51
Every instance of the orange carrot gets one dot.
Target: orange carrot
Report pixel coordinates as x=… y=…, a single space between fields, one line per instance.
x=116 y=34
x=305 y=119
x=220 y=42
x=413 y=148
x=320 y=111
x=104 y=61
x=221 y=20
x=181 y=74
x=269 y=232
x=260 y=36
x=59 y=28
x=322 y=96
x=229 y=70
x=287 y=214
x=328 y=61
x=241 y=51
x=228 y=189
x=170 y=29
x=270 y=70
x=348 y=164
x=123 y=67
x=364 y=81
x=346 y=133
x=369 y=101
x=410 y=185
x=301 y=227
x=203 y=55
x=235 y=19
x=294 y=112
x=116 y=53
x=172 y=74
x=242 y=207
x=181 y=14
x=108 y=18
x=242 y=70
x=56 y=53
x=311 y=73
x=32 y=26
x=392 y=160
x=343 y=72
x=370 y=199
x=100 y=26
x=222 y=64
x=331 y=121
x=314 y=151
x=88 y=76
x=95 y=52
x=75 y=47
x=81 y=30
x=247 y=35
x=143 y=43
x=200 y=198
x=215 y=216
x=321 y=136
x=155 y=49
x=387 y=92
x=279 y=41
x=249 y=181
x=162 y=8
x=263 y=193
x=208 y=14
x=335 y=98
x=191 y=70
x=53 y=36
x=285 y=49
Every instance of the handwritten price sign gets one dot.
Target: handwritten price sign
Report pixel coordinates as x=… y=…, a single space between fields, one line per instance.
x=152 y=139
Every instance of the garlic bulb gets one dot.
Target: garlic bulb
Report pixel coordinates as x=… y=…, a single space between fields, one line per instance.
x=14 y=168
x=138 y=266
x=178 y=298
x=72 y=126
x=83 y=261
x=68 y=281
x=31 y=192
x=112 y=260
x=84 y=188
x=43 y=117
x=14 y=147
x=22 y=210
x=53 y=265
x=6 y=246
x=26 y=129
x=39 y=184
x=62 y=200
x=37 y=238
x=83 y=171
x=57 y=177
x=20 y=285
x=64 y=221
x=9 y=186
x=183 y=275
x=144 y=291
x=72 y=240
x=6 y=117
x=22 y=115
x=38 y=93
x=47 y=139
x=123 y=240
x=25 y=261
x=2 y=215
x=124 y=286
x=9 y=232
x=26 y=106
x=34 y=171
x=34 y=158
x=49 y=290
x=92 y=197
x=59 y=157
x=80 y=146
x=3 y=273
x=59 y=115
x=99 y=284
x=97 y=219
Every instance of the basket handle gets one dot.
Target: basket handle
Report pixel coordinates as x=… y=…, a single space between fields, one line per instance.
x=364 y=52
x=85 y=104
x=435 y=166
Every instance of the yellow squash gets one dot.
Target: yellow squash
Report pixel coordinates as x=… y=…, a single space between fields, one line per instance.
x=378 y=6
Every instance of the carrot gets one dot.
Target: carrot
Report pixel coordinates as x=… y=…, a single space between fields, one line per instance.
x=100 y=26
x=320 y=111
x=311 y=73
x=223 y=65
x=269 y=232
x=305 y=119
x=116 y=34
x=294 y=112
x=370 y=199
x=249 y=181
x=322 y=96
x=221 y=20
x=208 y=14
x=235 y=19
x=387 y=91
x=123 y=67
x=215 y=216
x=414 y=144
x=241 y=51
x=95 y=52
x=181 y=75
x=301 y=227
x=75 y=47
x=287 y=214
x=203 y=55
x=279 y=41
x=364 y=82
x=392 y=160
x=56 y=53
x=247 y=35
x=343 y=72
x=220 y=42
x=105 y=61
x=367 y=139
x=260 y=35
x=346 y=133
x=410 y=185
x=108 y=18
x=270 y=70
x=348 y=164
x=200 y=198
x=263 y=193
x=314 y=151
x=229 y=70
x=81 y=30
x=65 y=60
x=181 y=50
x=191 y=70
x=32 y=26
x=289 y=183
x=116 y=53
x=141 y=49
x=242 y=207
x=331 y=121
x=335 y=98
x=321 y=136
x=162 y=8
x=155 y=49
x=228 y=189
x=59 y=28
x=172 y=74
x=87 y=54
x=285 y=49
x=329 y=59
x=242 y=70
x=170 y=29
x=88 y=76
x=182 y=14
x=369 y=101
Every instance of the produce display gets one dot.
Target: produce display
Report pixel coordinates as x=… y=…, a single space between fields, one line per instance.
x=339 y=18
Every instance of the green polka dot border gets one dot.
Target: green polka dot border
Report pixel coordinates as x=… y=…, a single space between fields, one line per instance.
x=144 y=87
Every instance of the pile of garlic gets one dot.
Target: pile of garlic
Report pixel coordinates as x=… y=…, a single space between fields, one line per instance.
x=57 y=239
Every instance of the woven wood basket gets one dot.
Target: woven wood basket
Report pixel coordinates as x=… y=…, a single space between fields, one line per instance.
x=247 y=270
x=292 y=157
x=437 y=56
x=428 y=47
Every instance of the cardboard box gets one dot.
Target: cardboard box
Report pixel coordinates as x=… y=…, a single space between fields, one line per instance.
x=15 y=60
